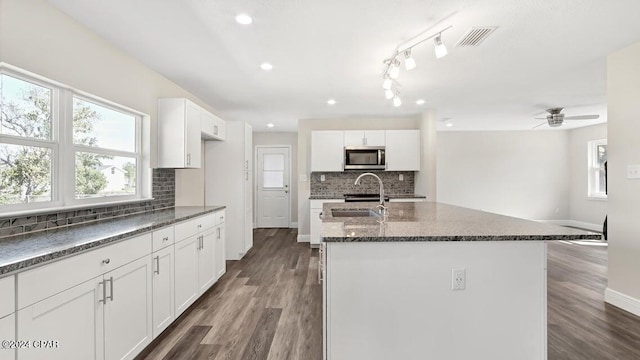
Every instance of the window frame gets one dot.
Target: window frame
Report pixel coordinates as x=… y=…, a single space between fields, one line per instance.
x=63 y=149
x=593 y=170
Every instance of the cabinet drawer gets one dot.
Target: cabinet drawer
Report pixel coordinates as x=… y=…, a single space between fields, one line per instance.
x=162 y=238
x=219 y=217
x=44 y=281
x=191 y=227
x=7 y=296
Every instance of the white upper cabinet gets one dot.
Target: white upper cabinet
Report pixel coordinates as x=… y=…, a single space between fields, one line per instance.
x=364 y=138
x=327 y=150
x=403 y=150
x=179 y=128
x=213 y=128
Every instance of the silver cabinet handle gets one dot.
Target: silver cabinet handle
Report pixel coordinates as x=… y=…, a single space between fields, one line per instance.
x=104 y=292
x=219 y=232
x=166 y=238
x=157 y=271
x=320 y=264
x=201 y=241
x=106 y=261
x=111 y=288
x=199 y=226
x=320 y=215
x=215 y=129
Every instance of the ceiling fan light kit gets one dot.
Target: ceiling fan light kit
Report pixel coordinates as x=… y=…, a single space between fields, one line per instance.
x=556 y=117
x=392 y=64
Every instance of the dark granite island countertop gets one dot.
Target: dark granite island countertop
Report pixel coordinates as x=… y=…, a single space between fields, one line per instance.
x=22 y=251
x=432 y=221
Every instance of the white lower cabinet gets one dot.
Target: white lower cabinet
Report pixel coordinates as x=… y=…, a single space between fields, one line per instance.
x=105 y=318
x=220 y=262
x=206 y=261
x=163 y=294
x=73 y=318
x=8 y=332
x=127 y=310
x=186 y=273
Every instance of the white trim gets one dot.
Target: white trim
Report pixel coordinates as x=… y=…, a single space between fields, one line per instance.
x=304 y=238
x=574 y=223
x=293 y=225
x=623 y=301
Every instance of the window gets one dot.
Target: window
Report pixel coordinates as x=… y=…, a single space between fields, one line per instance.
x=59 y=147
x=597 y=176
x=273 y=171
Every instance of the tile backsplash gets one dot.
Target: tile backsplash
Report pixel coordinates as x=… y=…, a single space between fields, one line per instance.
x=163 y=193
x=340 y=183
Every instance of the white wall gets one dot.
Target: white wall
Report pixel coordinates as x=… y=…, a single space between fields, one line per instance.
x=516 y=173
x=37 y=37
x=623 y=114
x=581 y=208
x=304 y=150
x=282 y=138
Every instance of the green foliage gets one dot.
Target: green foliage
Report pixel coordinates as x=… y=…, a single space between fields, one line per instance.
x=25 y=171
x=130 y=173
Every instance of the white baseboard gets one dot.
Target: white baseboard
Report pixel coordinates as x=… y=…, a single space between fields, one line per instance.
x=574 y=223
x=293 y=225
x=624 y=302
x=304 y=238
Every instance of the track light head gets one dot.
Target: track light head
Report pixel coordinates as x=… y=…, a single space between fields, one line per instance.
x=396 y=101
x=440 y=49
x=409 y=62
x=394 y=69
x=388 y=94
x=386 y=83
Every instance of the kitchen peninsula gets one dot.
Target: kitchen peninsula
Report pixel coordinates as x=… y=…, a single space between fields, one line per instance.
x=388 y=283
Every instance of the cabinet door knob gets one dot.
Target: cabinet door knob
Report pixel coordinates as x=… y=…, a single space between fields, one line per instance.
x=106 y=261
x=166 y=238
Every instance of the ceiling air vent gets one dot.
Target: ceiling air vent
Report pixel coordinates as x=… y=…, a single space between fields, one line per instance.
x=475 y=36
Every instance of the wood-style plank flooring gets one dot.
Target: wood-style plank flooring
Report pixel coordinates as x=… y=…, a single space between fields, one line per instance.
x=269 y=306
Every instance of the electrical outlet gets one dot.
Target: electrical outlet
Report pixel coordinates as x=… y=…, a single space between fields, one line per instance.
x=322 y=178
x=401 y=177
x=633 y=172
x=458 y=279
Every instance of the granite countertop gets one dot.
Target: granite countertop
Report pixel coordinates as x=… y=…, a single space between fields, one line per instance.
x=431 y=221
x=22 y=251
x=391 y=196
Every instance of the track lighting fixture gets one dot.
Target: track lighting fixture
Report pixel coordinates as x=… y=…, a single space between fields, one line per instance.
x=440 y=49
x=392 y=64
x=396 y=101
x=389 y=94
x=409 y=62
x=394 y=69
x=386 y=83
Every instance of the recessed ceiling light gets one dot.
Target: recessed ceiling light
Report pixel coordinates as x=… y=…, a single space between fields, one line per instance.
x=331 y=101
x=244 y=19
x=270 y=125
x=449 y=125
x=420 y=102
x=266 y=66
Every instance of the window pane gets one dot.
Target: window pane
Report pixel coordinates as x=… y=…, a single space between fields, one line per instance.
x=25 y=109
x=25 y=174
x=102 y=175
x=99 y=126
x=273 y=162
x=273 y=179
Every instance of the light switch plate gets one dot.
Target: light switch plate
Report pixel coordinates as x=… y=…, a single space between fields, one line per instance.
x=633 y=171
x=322 y=177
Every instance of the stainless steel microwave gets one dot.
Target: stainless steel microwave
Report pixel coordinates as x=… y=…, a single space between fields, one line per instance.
x=364 y=158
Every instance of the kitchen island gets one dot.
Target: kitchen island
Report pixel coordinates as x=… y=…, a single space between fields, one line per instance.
x=388 y=283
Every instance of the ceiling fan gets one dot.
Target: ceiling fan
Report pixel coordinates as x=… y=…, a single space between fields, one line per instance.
x=556 y=117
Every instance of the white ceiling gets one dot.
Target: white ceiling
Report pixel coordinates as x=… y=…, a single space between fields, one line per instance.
x=545 y=53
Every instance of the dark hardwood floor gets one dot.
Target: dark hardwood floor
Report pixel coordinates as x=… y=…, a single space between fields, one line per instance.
x=269 y=306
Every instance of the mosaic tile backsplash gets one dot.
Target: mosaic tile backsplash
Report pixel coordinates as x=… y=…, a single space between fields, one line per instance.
x=340 y=183
x=163 y=193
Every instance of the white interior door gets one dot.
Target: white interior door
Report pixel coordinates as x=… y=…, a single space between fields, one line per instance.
x=273 y=187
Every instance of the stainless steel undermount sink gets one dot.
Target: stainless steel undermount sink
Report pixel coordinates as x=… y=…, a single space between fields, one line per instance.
x=354 y=213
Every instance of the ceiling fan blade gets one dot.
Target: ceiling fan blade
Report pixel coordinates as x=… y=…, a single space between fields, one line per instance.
x=539 y=125
x=582 y=117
